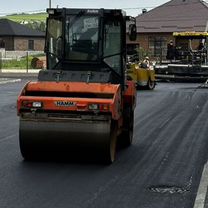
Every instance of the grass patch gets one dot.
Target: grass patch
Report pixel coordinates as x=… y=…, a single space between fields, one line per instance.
x=17 y=64
x=27 y=17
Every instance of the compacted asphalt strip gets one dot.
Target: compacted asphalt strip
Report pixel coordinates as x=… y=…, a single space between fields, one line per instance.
x=162 y=168
x=201 y=199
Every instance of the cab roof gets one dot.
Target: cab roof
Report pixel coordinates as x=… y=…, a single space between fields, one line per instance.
x=54 y=11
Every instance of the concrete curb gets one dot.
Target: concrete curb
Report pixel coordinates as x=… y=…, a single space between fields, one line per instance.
x=11 y=73
x=6 y=81
x=18 y=75
x=19 y=70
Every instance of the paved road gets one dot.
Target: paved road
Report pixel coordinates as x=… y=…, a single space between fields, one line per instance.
x=162 y=169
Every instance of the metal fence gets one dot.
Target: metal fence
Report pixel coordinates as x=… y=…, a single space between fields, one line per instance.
x=22 y=60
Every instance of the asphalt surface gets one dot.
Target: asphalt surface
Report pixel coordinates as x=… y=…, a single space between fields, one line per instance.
x=162 y=169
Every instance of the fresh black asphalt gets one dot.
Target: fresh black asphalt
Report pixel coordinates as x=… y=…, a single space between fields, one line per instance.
x=162 y=169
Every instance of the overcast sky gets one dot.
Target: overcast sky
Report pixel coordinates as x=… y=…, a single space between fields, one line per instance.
x=16 y=6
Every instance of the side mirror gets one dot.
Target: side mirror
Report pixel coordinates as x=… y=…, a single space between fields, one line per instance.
x=132 y=32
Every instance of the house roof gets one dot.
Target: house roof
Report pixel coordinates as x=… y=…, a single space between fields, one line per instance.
x=175 y=16
x=10 y=28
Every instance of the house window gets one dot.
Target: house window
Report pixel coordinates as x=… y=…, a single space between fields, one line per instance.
x=2 y=43
x=158 y=46
x=31 y=45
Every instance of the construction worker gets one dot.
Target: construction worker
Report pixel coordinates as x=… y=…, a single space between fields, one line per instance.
x=170 y=51
x=145 y=63
x=201 y=46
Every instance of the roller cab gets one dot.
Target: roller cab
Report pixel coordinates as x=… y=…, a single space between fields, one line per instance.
x=82 y=104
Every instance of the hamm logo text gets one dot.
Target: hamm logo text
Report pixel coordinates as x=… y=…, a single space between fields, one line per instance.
x=65 y=103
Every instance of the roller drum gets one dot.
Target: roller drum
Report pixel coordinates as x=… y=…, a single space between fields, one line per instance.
x=67 y=138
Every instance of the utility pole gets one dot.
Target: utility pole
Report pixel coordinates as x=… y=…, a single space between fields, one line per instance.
x=49 y=3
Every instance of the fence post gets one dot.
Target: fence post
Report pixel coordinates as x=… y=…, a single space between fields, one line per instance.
x=0 y=61
x=27 y=61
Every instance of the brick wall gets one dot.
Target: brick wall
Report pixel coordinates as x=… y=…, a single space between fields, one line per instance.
x=144 y=38
x=21 y=44
x=39 y=44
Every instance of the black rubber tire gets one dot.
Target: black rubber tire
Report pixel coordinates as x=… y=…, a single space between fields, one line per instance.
x=150 y=85
x=126 y=137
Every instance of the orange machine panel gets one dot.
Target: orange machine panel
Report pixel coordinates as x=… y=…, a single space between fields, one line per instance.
x=72 y=97
x=130 y=94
